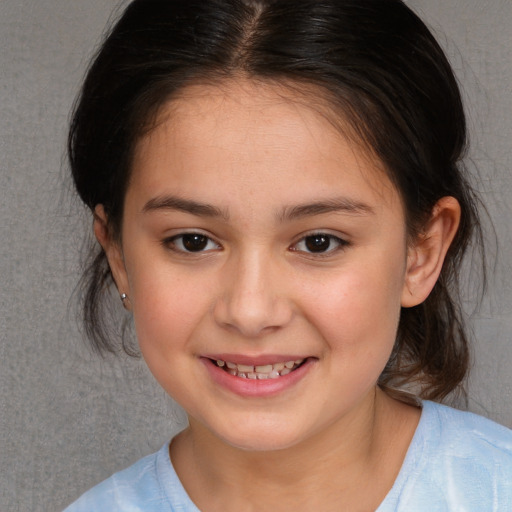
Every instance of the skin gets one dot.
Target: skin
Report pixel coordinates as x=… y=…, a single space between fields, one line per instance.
x=255 y=154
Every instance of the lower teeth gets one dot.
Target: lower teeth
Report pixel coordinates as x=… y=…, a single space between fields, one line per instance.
x=274 y=374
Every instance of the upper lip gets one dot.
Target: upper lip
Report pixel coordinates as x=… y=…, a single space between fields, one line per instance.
x=260 y=360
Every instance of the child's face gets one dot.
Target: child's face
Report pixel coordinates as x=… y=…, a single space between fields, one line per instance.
x=255 y=234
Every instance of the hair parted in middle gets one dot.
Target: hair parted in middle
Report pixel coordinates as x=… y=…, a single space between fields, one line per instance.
x=372 y=65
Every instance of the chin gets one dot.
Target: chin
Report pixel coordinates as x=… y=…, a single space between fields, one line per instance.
x=260 y=438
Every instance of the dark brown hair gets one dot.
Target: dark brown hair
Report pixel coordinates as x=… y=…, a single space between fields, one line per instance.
x=373 y=61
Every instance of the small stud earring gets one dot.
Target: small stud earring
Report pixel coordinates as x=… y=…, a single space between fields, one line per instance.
x=124 y=298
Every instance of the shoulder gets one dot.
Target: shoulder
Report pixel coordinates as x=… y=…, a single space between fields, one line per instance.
x=150 y=485
x=462 y=435
x=123 y=490
x=457 y=461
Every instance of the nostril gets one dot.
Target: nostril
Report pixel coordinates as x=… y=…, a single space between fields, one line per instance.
x=251 y=299
x=251 y=316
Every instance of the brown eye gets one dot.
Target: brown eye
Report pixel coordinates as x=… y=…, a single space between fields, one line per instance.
x=191 y=242
x=194 y=243
x=318 y=243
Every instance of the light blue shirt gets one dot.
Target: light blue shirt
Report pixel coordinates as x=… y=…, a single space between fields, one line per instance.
x=457 y=462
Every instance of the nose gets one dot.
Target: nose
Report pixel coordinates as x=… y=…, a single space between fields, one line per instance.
x=253 y=298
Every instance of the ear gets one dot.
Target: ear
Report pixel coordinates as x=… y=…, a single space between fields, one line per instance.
x=425 y=256
x=112 y=249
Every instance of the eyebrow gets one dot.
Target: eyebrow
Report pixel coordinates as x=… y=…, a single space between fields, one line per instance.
x=336 y=205
x=184 y=205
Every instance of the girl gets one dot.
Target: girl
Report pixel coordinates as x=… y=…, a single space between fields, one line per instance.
x=278 y=198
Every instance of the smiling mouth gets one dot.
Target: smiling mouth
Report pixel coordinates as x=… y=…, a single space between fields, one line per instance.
x=268 y=371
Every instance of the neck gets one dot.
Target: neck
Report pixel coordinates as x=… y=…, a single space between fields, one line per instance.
x=340 y=462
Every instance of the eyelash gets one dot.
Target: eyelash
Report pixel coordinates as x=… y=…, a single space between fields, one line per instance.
x=177 y=243
x=174 y=242
x=327 y=238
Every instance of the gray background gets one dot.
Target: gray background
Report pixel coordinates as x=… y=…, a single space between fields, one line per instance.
x=69 y=419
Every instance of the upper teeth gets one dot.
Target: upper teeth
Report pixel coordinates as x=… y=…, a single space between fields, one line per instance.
x=267 y=371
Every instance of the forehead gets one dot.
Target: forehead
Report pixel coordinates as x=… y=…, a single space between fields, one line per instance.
x=266 y=108
x=222 y=137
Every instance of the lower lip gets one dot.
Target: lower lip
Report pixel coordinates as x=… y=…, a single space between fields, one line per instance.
x=255 y=387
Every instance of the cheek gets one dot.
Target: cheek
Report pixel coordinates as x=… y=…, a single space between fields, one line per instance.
x=167 y=311
x=358 y=310
x=167 y=308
